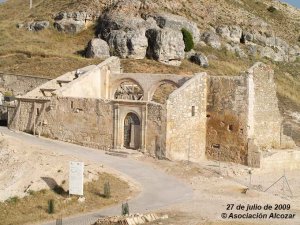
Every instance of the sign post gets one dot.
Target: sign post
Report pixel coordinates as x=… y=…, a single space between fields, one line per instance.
x=76 y=178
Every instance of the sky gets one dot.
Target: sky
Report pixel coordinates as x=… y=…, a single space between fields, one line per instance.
x=292 y=2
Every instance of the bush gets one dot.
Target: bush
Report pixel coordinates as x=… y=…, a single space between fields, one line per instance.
x=106 y=190
x=188 y=40
x=13 y=199
x=272 y=9
x=125 y=209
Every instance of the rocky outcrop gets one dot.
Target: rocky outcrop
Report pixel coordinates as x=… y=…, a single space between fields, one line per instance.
x=166 y=46
x=236 y=49
x=137 y=44
x=260 y=42
x=34 y=26
x=97 y=48
x=230 y=33
x=166 y=20
x=73 y=22
x=211 y=39
x=131 y=44
x=270 y=53
x=117 y=42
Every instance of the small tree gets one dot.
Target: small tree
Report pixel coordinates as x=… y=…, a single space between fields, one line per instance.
x=106 y=190
x=51 y=206
x=125 y=209
x=188 y=40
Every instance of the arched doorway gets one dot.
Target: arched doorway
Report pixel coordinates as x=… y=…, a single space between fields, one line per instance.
x=132 y=131
x=163 y=90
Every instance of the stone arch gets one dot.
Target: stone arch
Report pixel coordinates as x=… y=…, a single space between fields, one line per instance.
x=127 y=88
x=132 y=131
x=155 y=88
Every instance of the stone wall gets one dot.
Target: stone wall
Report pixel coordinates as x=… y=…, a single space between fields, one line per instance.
x=264 y=116
x=88 y=122
x=186 y=121
x=156 y=130
x=227 y=111
x=19 y=84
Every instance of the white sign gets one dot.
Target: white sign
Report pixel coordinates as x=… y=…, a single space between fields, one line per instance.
x=76 y=178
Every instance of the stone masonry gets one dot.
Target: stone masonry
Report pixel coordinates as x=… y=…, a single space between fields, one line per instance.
x=215 y=117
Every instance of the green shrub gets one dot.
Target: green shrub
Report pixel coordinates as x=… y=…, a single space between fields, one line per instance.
x=188 y=40
x=272 y=9
x=125 y=209
x=106 y=190
x=51 y=206
x=8 y=94
x=13 y=199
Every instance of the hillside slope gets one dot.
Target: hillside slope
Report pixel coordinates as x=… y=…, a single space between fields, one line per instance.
x=51 y=53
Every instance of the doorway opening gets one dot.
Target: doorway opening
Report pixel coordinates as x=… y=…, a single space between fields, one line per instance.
x=132 y=131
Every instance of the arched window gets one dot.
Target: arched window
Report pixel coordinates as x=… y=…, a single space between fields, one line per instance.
x=162 y=92
x=128 y=90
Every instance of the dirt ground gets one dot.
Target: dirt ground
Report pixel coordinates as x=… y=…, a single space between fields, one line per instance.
x=216 y=186
x=46 y=169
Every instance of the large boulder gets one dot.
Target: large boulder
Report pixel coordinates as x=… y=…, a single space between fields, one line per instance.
x=230 y=33
x=166 y=46
x=97 y=48
x=175 y=22
x=137 y=44
x=132 y=44
x=109 y=23
x=211 y=39
x=270 y=53
x=117 y=42
x=200 y=59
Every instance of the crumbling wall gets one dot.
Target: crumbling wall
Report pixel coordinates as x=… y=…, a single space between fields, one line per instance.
x=227 y=111
x=18 y=84
x=156 y=130
x=88 y=122
x=186 y=121
x=264 y=116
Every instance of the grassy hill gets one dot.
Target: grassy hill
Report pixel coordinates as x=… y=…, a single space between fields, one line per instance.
x=50 y=53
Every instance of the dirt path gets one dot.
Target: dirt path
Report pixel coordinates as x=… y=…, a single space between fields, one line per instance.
x=158 y=189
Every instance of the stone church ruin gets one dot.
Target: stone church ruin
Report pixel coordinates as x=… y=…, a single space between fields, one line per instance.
x=164 y=115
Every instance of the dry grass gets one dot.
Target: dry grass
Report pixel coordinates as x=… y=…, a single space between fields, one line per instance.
x=33 y=208
x=50 y=53
x=287 y=77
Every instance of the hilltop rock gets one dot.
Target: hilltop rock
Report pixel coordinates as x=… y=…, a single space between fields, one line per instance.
x=166 y=20
x=97 y=48
x=211 y=39
x=166 y=46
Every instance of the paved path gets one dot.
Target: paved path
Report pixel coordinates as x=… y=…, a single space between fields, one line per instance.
x=158 y=189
